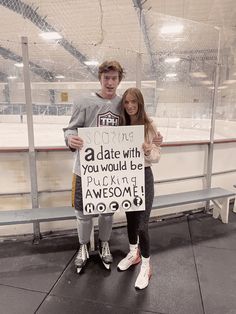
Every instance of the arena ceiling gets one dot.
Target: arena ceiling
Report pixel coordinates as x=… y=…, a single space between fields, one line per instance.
x=131 y=31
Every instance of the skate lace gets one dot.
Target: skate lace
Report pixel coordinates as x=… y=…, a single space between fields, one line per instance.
x=105 y=249
x=83 y=252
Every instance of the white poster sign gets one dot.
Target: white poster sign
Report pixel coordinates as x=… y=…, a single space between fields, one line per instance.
x=112 y=169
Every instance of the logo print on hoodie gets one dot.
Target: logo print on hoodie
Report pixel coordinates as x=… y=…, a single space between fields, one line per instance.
x=108 y=119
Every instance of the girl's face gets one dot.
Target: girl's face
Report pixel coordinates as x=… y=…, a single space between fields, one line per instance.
x=131 y=105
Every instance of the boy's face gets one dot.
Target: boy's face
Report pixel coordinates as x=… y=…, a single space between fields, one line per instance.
x=109 y=83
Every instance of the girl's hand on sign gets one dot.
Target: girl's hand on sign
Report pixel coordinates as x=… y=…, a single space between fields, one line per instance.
x=158 y=139
x=147 y=148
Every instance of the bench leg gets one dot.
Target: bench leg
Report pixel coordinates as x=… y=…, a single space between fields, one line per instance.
x=221 y=208
x=92 y=240
x=234 y=209
x=37 y=234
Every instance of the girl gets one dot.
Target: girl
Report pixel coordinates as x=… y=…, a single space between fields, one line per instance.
x=133 y=113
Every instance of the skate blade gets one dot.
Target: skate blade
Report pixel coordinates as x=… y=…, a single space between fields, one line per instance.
x=107 y=266
x=78 y=270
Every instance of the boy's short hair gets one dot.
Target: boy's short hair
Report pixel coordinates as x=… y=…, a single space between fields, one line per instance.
x=110 y=66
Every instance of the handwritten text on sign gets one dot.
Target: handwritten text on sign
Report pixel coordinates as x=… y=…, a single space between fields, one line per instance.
x=112 y=169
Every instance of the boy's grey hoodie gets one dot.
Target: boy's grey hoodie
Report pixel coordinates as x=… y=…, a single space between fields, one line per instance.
x=91 y=111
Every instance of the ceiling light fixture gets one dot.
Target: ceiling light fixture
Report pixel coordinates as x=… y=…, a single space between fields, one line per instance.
x=91 y=62
x=205 y=82
x=59 y=76
x=219 y=88
x=171 y=75
x=172 y=29
x=11 y=77
x=50 y=35
x=229 y=81
x=172 y=60
x=198 y=74
x=19 y=65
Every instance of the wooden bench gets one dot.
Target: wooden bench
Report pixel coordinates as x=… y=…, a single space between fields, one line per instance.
x=24 y=216
x=220 y=197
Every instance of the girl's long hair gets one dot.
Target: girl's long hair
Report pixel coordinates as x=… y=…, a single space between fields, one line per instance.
x=142 y=118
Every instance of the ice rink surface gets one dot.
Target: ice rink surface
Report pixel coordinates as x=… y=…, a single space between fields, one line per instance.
x=15 y=134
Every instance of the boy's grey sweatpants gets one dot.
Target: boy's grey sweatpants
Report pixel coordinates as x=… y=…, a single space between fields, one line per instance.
x=85 y=225
x=85 y=222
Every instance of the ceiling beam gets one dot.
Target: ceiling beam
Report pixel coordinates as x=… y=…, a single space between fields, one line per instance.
x=35 y=68
x=31 y=14
x=138 y=4
x=3 y=77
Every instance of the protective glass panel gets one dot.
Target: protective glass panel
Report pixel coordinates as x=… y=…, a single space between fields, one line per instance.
x=225 y=114
x=12 y=96
x=179 y=65
x=168 y=57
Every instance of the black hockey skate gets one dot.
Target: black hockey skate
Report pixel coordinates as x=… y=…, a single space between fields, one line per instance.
x=105 y=254
x=81 y=258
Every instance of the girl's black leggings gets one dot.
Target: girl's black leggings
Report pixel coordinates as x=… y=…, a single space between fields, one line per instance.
x=137 y=222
